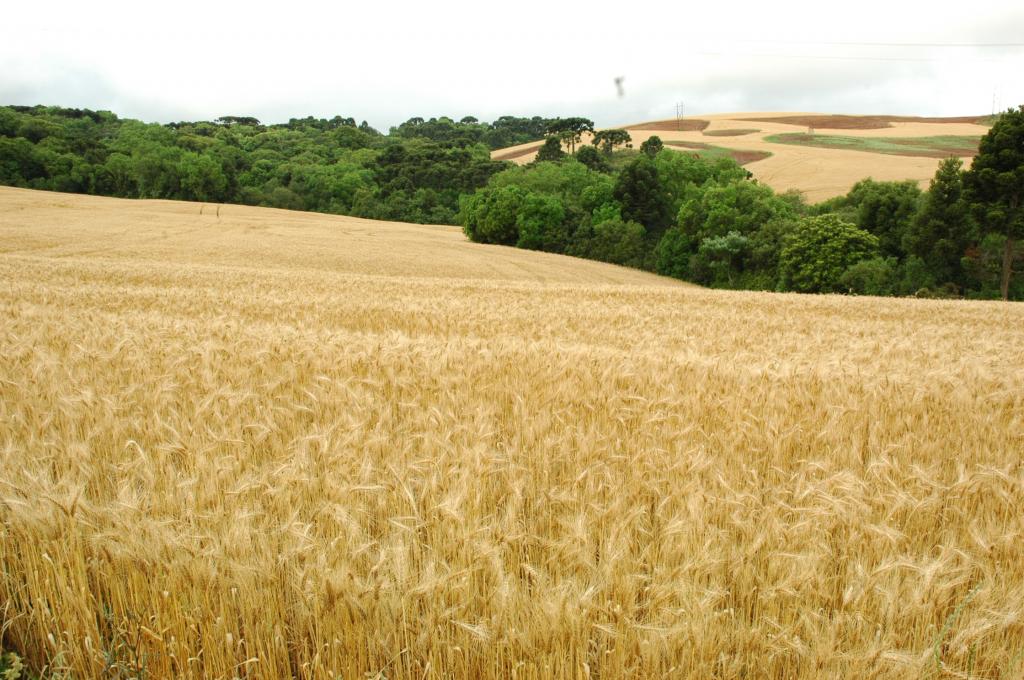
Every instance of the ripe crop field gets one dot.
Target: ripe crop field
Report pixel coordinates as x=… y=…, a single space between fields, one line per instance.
x=273 y=444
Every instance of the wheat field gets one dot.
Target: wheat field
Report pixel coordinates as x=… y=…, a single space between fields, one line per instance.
x=269 y=444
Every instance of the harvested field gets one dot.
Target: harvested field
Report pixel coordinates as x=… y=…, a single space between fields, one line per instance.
x=821 y=172
x=836 y=122
x=279 y=444
x=927 y=147
x=730 y=132
x=741 y=156
x=684 y=125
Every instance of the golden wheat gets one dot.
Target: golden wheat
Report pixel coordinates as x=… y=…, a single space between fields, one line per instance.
x=279 y=445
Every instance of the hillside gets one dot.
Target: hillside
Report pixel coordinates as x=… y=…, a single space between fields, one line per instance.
x=276 y=444
x=175 y=234
x=820 y=173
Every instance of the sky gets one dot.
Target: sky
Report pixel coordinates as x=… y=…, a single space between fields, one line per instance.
x=385 y=62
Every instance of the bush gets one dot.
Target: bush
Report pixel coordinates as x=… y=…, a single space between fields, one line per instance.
x=618 y=242
x=819 y=250
x=876 y=276
x=490 y=215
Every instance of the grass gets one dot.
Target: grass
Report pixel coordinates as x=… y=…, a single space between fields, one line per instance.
x=274 y=444
x=929 y=147
x=711 y=152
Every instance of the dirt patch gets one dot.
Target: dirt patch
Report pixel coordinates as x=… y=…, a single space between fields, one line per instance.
x=838 y=122
x=673 y=125
x=518 y=153
x=730 y=133
x=741 y=156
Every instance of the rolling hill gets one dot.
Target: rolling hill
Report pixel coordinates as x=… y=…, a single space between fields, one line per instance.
x=243 y=442
x=820 y=172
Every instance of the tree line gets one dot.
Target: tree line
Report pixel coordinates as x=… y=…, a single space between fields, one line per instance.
x=659 y=209
x=415 y=173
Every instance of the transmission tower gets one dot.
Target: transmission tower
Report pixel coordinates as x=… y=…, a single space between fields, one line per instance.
x=680 y=113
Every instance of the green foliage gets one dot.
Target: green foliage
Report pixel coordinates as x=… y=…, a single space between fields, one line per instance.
x=818 y=252
x=615 y=241
x=995 y=190
x=741 y=206
x=607 y=140
x=886 y=209
x=672 y=254
x=643 y=198
x=589 y=156
x=11 y=666
x=606 y=212
x=550 y=151
x=570 y=130
x=327 y=165
x=876 y=276
x=942 y=230
x=540 y=219
x=491 y=215
x=718 y=261
x=652 y=146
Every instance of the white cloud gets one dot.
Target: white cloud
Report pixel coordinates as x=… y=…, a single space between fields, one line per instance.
x=387 y=62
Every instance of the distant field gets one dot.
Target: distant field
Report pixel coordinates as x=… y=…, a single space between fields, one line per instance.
x=886 y=148
x=835 y=122
x=730 y=132
x=928 y=147
x=673 y=125
x=274 y=444
x=743 y=157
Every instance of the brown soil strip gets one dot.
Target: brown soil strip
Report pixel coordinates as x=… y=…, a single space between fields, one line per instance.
x=861 y=122
x=673 y=125
x=730 y=133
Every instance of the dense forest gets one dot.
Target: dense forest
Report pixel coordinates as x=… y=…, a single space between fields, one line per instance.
x=655 y=208
x=416 y=173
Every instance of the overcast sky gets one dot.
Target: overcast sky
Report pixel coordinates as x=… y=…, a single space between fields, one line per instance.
x=386 y=62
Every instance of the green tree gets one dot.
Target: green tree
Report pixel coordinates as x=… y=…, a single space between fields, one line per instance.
x=886 y=209
x=570 y=130
x=618 y=242
x=819 y=250
x=607 y=140
x=642 y=196
x=550 y=151
x=719 y=260
x=491 y=215
x=995 y=188
x=540 y=220
x=942 y=230
x=876 y=276
x=739 y=206
x=672 y=254
x=589 y=156
x=652 y=146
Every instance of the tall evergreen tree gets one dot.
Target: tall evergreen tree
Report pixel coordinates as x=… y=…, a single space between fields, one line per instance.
x=942 y=230
x=995 y=187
